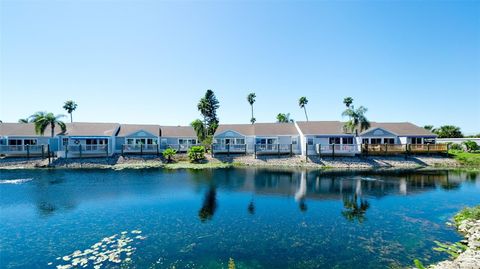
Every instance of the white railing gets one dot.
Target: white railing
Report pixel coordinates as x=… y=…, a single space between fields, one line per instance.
x=21 y=148
x=88 y=148
x=178 y=147
x=140 y=148
x=273 y=148
x=229 y=148
x=337 y=148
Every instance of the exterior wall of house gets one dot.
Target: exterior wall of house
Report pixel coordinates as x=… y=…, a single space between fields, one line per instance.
x=21 y=149
x=93 y=151
x=321 y=143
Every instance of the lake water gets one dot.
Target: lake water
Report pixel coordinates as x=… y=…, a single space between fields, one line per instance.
x=200 y=219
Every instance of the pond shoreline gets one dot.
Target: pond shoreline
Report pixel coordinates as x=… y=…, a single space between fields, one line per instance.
x=470 y=258
x=118 y=162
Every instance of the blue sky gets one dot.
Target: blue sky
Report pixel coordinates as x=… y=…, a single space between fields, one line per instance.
x=150 y=61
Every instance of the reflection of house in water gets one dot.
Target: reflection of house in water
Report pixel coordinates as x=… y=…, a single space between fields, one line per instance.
x=333 y=186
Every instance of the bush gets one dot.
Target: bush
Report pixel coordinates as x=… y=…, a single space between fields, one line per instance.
x=196 y=153
x=169 y=154
x=455 y=146
x=470 y=145
x=470 y=213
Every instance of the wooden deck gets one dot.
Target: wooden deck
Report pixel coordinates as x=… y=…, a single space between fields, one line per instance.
x=392 y=149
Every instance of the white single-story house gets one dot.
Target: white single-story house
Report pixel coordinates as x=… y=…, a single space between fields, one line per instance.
x=258 y=138
x=180 y=138
x=396 y=133
x=88 y=139
x=21 y=140
x=138 y=138
x=398 y=137
x=326 y=137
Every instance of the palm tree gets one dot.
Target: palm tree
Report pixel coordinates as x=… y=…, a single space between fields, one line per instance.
x=43 y=119
x=302 y=102
x=70 y=106
x=357 y=119
x=199 y=128
x=284 y=117
x=348 y=101
x=26 y=120
x=251 y=99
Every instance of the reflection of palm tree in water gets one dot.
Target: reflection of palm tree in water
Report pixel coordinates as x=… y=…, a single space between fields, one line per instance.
x=209 y=204
x=251 y=207
x=355 y=207
x=302 y=192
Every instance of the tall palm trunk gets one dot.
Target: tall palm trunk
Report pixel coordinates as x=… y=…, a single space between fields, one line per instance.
x=71 y=117
x=305 y=109
x=52 y=126
x=252 y=111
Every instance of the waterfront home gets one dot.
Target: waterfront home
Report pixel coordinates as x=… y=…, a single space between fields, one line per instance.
x=398 y=137
x=21 y=140
x=396 y=133
x=138 y=139
x=326 y=137
x=87 y=139
x=258 y=138
x=180 y=138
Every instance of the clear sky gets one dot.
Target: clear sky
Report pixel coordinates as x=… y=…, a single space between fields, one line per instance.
x=150 y=61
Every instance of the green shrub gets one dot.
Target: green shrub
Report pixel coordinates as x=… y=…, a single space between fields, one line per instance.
x=455 y=146
x=468 y=213
x=169 y=154
x=196 y=153
x=470 y=145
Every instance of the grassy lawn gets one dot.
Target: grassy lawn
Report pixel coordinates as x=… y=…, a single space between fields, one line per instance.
x=466 y=158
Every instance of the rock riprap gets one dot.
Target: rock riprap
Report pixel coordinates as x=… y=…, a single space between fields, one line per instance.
x=115 y=249
x=470 y=258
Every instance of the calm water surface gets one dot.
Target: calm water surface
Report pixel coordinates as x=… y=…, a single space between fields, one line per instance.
x=200 y=219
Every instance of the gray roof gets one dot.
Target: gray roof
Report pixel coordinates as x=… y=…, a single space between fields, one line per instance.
x=126 y=129
x=91 y=129
x=336 y=128
x=177 y=131
x=321 y=127
x=259 y=129
x=401 y=128
x=23 y=129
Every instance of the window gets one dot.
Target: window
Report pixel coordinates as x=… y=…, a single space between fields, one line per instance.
x=271 y=141
x=376 y=141
x=240 y=141
x=310 y=141
x=260 y=141
x=365 y=141
x=347 y=140
x=30 y=141
x=65 y=141
x=187 y=141
x=429 y=140
x=15 y=142
x=334 y=140
x=294 y=141
x=416 y=140
x=388 y=141
x=130 y=141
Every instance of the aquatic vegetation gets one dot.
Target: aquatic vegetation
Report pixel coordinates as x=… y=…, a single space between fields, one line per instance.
x=451 y=249
x=418 y=264
x=115 y=249
x=231 y=264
